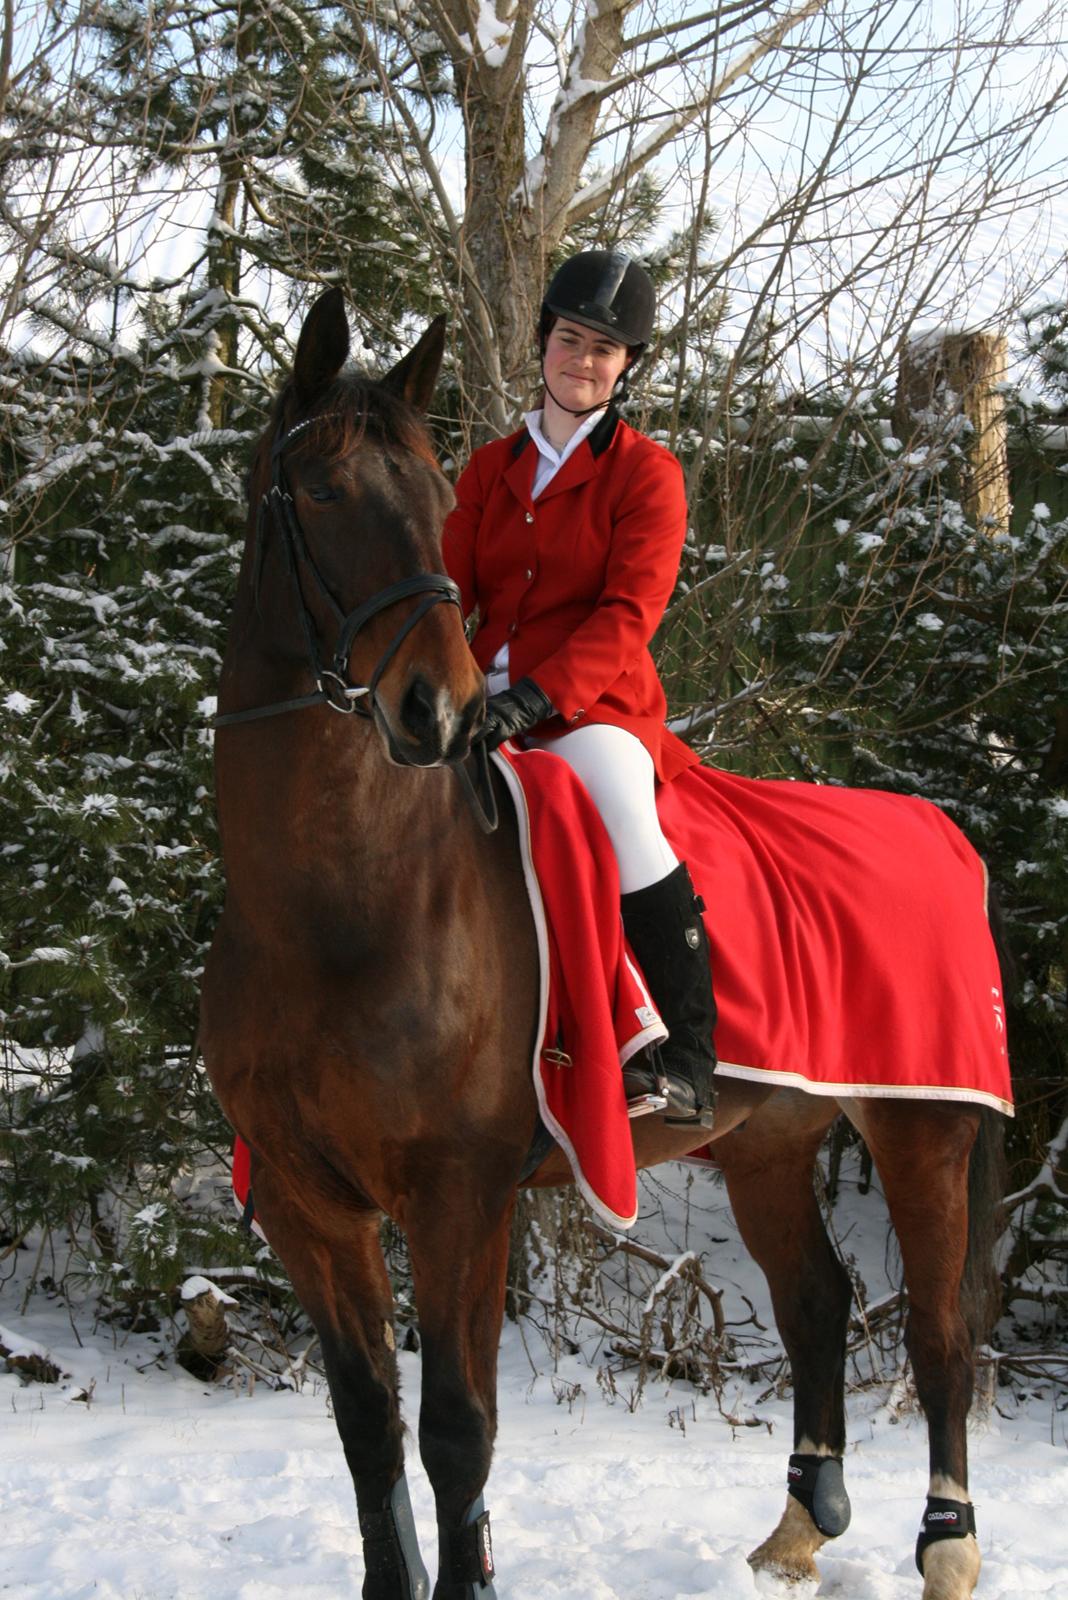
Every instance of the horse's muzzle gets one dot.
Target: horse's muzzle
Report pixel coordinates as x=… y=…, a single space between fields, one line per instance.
x=427 y=730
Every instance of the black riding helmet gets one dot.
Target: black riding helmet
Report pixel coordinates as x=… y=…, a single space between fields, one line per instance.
x=605 y=290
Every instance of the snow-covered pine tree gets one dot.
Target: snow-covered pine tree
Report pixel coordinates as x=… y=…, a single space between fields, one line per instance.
x=126 y=423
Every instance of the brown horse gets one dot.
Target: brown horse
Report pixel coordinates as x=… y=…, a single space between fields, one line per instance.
x=369 y=1012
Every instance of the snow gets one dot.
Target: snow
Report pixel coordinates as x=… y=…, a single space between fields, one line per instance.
x=197 y=1285
x=492 y=36
x=128 y=1478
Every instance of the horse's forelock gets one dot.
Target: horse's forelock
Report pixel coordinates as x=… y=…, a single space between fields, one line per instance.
x=352 y=408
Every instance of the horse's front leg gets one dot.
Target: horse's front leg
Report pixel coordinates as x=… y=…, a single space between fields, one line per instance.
x=331 y=1251
x=458 y=1239
x=768 y=1164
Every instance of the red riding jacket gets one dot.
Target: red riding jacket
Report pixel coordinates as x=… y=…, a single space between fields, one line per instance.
x=576 y=582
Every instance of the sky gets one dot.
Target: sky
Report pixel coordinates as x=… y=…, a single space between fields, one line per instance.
x=884 y=252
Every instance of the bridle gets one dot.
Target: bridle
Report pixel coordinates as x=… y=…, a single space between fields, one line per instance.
x=333 y=686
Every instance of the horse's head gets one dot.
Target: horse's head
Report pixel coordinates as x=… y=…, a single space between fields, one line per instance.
x=345 y=484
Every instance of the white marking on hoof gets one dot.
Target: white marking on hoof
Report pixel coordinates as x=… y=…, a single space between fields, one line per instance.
x=787 y=1553
x=944 y=1487
x=951 y=1569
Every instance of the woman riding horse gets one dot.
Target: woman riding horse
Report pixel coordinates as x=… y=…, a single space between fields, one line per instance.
x=567 y=537
x=371 y=1002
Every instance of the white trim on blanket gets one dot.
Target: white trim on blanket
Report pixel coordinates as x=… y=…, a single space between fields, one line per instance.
x=653 y=1034
x=864 y=1091
x=537 y=907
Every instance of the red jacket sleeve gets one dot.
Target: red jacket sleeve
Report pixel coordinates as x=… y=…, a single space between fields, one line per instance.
x=648 y=531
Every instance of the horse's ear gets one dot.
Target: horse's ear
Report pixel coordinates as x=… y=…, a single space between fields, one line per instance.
x=416 y=374
x=323 y=346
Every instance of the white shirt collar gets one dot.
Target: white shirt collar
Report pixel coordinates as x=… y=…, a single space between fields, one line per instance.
x=550 y=460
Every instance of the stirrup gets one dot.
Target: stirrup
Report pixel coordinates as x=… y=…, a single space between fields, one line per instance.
x=692 y=1107
x=642 y=1105
x=703 y=1116
x=644 y=1087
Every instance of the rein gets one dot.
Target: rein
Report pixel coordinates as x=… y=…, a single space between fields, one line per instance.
x=333 y=686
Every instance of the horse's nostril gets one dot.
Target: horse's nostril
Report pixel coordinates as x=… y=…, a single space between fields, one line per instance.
x=419 y=710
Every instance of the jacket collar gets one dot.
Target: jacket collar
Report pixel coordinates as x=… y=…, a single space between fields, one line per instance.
x=584 y=464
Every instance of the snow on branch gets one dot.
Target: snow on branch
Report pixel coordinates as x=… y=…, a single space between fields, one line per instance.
x=492 y=36
x=1046 y=1182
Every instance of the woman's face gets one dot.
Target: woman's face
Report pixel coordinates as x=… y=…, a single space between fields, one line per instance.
x=582 y=365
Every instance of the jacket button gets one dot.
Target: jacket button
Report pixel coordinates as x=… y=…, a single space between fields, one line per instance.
x=513 y=628
x=530 y=516
x=581 y=712
x=529 y=574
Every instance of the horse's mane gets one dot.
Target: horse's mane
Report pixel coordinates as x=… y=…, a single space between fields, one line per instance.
x=351 y=408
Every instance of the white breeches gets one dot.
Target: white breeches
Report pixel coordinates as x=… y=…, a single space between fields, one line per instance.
x=619 y=775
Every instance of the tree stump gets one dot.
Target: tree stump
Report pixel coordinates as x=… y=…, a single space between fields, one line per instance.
x=202 y=1349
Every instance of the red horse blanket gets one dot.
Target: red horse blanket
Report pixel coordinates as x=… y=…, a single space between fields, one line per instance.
x=850 y=945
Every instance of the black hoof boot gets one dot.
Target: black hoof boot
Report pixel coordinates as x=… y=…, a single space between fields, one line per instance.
x=394 y=1568
x=465 y=1558
x=664 y=926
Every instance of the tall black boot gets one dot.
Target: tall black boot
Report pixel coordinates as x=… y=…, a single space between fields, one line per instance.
x=663 y=924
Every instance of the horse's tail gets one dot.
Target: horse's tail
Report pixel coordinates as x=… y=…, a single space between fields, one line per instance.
x=980 y=1293
x=980 y=1290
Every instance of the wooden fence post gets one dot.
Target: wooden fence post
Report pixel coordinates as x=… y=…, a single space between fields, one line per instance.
x=947 y=374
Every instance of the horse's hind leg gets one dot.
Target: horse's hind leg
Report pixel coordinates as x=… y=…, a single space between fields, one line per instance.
x=768 y=1164
x=332 y=1254
x=922 y=1152
x=459 y=1254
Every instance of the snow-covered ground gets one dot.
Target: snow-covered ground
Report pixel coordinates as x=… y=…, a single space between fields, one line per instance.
x=131 y=1481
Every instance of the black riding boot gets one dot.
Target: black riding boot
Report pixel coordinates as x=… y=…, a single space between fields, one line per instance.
x=663 y=924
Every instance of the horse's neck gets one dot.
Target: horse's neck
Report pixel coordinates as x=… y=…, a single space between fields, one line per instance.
x=266 y=655
x=318 y=826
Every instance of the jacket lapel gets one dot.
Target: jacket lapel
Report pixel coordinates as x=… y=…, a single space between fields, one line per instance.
x=519 y=473
x=586 y=461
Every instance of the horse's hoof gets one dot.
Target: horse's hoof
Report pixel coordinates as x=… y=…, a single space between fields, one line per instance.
x=951 y=1569
x=786 y=1555
x=771 y=1575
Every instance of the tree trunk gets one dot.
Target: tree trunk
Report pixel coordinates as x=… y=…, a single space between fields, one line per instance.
x=515 y=215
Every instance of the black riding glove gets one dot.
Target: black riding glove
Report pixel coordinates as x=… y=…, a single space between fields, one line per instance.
x=513 y=711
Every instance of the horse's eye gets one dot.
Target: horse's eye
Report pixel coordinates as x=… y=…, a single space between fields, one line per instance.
x=323 y=492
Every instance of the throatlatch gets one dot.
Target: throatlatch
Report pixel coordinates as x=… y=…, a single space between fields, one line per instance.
x=818 y=1483
x=391 y=1548
x=466 y=1554
x=943 y=1519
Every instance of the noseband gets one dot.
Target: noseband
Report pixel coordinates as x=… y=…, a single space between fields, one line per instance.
x=332 y=684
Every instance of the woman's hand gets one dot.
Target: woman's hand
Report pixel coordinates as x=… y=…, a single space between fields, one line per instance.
x=514 y=710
